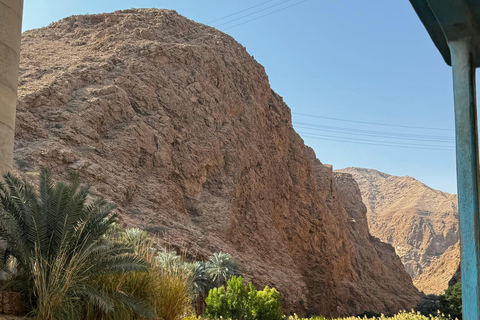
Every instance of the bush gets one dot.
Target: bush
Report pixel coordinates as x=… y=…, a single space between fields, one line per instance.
x=453 y=301
x=243 y=303
x=449 y=303
x=431 y=304
x=266 y=304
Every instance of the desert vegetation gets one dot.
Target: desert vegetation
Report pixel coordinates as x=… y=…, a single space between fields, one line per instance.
x=449 y=303
x=69 y=259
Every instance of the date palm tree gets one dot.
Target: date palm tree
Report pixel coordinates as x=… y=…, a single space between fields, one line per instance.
x=56 y=248
x=220 y=268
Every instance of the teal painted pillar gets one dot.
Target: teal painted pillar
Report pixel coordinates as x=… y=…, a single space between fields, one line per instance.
x=463 y=66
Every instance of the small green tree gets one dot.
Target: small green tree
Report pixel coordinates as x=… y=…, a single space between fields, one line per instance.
x=266 y=304
x=243 y=302
x=230 y=303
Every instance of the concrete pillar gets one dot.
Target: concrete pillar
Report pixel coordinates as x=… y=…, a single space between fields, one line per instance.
x=10 y=36
x=468 y=172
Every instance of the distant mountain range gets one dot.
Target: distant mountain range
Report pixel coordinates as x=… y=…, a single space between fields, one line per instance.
x=420 y=222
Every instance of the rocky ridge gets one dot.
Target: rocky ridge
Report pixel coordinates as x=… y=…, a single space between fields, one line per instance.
x=176 y=123
x=420 y=222
x=438 y=276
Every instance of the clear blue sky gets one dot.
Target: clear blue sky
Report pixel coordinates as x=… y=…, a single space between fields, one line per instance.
x=367 y=61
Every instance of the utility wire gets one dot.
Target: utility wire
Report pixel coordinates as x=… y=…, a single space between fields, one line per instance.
x=381 y=134
x=193 y=36
x=186 y=36
x=450 y=144
x=393 y=143
x=250 y=14
x=235 y=13
x=295 y=4
x=372 y=123
x=373 y=143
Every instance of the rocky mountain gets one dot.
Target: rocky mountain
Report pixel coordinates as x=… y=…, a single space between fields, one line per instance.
x=176 y=123
x=420 y=222
x=436 y=278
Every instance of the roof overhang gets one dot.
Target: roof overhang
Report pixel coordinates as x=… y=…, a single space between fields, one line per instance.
x=451 y=20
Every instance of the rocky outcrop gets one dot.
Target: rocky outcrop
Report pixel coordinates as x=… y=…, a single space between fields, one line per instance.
x=457 y=276
x=438 y=276
x=176 y=123
x=420 y=222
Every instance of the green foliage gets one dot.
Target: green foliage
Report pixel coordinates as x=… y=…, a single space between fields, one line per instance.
x=205 y=275
x=201 y=283
x=453 y=301
x=217 y=304
x=265 y=304
x=164 y=286
x=231 y=303
x=449 y=303
x=170 y=260
x=243 y=303
x=221 y=267
x=431 y=304
x=58 y=245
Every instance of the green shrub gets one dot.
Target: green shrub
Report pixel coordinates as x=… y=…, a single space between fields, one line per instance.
x=453 y=301
x=243 y=303
x=431 y=304
x=265 y=304
x=449 y=303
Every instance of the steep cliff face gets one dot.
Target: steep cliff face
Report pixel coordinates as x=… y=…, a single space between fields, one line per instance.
x=420 y=222
x=176 y=123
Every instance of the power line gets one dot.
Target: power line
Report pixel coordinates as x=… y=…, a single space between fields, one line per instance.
x=250 y=14
x=194 y=35
x=392 y=143
x=373 y=123
x=369 y=133
x=374 y=143
x=235 y=13
x=295 y=4
x=255 y=12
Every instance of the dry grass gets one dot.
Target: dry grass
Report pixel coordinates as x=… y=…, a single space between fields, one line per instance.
x=165 y=289
x=52 y=282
